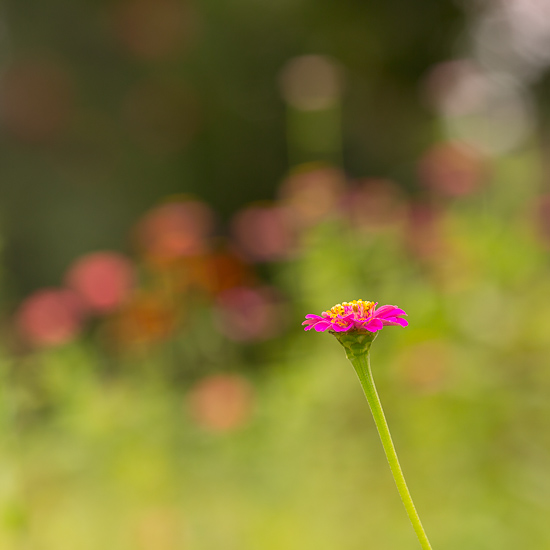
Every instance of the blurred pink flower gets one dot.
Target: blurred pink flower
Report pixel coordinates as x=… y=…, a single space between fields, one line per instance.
x=423 y=232
x=452 y=87
x=542 y=217
x=36 y=100
x=374 y=204
x=263 y=233
x=103 y=280
x=452 y=169
x=311 y=193
x=221 y=403
x=175 y=229
x=358 y=315
x=249 y=314
x=50 y=317
x=153 y=29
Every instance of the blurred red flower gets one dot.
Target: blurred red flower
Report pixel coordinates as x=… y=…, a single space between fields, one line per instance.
x=50 y=317
x=249 y=314
x=263 y=233
x=103 y=280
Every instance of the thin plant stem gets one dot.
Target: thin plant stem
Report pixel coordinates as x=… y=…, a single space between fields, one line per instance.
x=361 y=363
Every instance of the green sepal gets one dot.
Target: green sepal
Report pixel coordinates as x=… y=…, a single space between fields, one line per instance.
x=355 y=343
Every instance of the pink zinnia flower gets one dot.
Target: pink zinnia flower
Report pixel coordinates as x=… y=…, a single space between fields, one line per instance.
x=358 y=315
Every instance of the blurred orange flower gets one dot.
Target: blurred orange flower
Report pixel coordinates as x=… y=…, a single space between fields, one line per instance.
x=175 y=229
x=145 y=320
x=312 y=192
x=162 y=116
x=158 y=528
x=426 y=366
x=221 y=403
x=153 y=29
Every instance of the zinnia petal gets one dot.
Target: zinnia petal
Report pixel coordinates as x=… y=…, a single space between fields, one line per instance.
x=395 y=321
x=357 y=315
x=388 y=311
x=373 y=325
x=321 y=326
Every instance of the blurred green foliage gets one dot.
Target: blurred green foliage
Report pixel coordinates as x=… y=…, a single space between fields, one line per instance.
x=81 y=186
x=95 y=458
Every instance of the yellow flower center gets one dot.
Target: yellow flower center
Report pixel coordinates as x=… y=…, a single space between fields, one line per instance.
x=362 y=307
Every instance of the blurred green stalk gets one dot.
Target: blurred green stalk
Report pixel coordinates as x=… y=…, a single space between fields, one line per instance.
x=359 y=356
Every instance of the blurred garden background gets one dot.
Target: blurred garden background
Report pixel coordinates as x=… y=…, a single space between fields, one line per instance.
x=182 y=181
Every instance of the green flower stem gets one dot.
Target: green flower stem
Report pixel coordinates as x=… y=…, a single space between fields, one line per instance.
x=361 y=363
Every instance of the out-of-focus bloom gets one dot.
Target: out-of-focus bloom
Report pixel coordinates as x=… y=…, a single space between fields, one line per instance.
x=542 y=218
x=249 y=314
x=263 y=233
x=311 y=82
x=175 y=229
x=486 y=108
x=311 y=193
x=145 y=320
x=374 y=204
x=226 y=270
x=50 y=317
x=153 y=29
x=36 y=100
x=103 y=280
x=358 y=315
x=158 y=528
x=426 y=366
x=161 y=115
x=452 y=169
x=222 y=403
x=208 y=274
x=452 y=87
x=423 y=230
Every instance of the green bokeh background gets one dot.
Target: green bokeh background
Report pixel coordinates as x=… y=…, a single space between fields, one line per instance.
x=101 y=450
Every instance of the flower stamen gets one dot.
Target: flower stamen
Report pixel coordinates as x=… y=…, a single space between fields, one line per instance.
x=361 y=307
